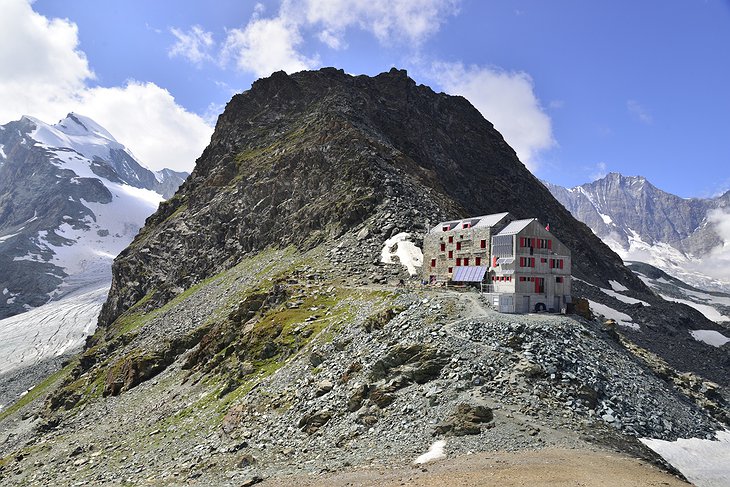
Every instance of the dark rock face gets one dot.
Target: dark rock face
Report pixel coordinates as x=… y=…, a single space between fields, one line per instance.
x=299 y=159
x=467 y=419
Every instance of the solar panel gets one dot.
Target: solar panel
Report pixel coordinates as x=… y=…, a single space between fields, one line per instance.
x=472 y=273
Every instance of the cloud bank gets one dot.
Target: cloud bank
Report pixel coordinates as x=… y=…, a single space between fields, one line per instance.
x=45 y=74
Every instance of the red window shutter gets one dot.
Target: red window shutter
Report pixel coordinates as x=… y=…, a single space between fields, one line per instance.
x=458 y=245
x=552 y=263
x=522 y=262
x=550 y=244
x=433 y=262
x=458 y=261
x=451 y=239
x=443 y=247
x=484 y=244
x=477 y=260
x=561 y=263
x=451 y=269
x=522 y=241
x=451 y=254
x=466 y=261
x=532 y=262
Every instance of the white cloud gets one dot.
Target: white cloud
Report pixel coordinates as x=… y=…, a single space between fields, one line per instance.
x=267 y=45
x=193 y=45
x=43 y=73
x=638 y=111
x=599 y=171
x=716 y=264
x=147 y=119
x=507 y=100
x=411 y=21
x=41 y=66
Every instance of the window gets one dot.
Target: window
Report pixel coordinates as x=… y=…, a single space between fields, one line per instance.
x=477 y=260
x=466 y=261
x=451 y=239
x=484 y=244
x=550 y=244
x=552 y=263
x=458 y=245
x=466 y=225
x=527 y=262
x=522 y=278
x=543 y=260
x=558 y=279
x=433 y=262
x=561 y=263
x=445 y=228
x=458 y=261
x=451 y=254
x=451 y=269
x=443 y=247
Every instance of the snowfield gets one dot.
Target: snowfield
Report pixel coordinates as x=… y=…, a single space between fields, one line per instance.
x=611 y=314
x=707 y=310
x=710 y=337
x=705 y=463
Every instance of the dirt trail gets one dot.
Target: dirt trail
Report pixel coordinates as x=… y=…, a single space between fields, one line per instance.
x=548 y=467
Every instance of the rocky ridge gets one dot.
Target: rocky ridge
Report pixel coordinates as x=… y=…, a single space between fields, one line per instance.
x=303 y=158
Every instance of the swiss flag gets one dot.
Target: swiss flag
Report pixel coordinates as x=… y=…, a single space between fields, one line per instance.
x=547 y=227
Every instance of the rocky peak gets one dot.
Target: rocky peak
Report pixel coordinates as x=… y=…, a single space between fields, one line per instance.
x=304 y=158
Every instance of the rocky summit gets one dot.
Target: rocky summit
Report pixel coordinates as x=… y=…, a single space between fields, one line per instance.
x=253 y=334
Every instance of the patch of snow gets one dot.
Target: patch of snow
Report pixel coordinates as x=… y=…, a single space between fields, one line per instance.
x=409 y=255
x=435 y=452
x=705 y=463
x=709 y=312
x=8 y=237
x=2 y=152
x=624 y=299
x=5 y=291
x=710 y=337
x=606 y=219
x=611 y=314
x=617 y=286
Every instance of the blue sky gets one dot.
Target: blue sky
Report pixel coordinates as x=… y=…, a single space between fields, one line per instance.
x=578 y=88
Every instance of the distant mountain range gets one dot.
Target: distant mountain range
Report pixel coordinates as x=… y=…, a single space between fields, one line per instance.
x=71 y=198
x=682 y=236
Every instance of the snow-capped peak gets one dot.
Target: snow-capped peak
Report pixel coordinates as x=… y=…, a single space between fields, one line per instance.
x=75 y=124
x=78 y=133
